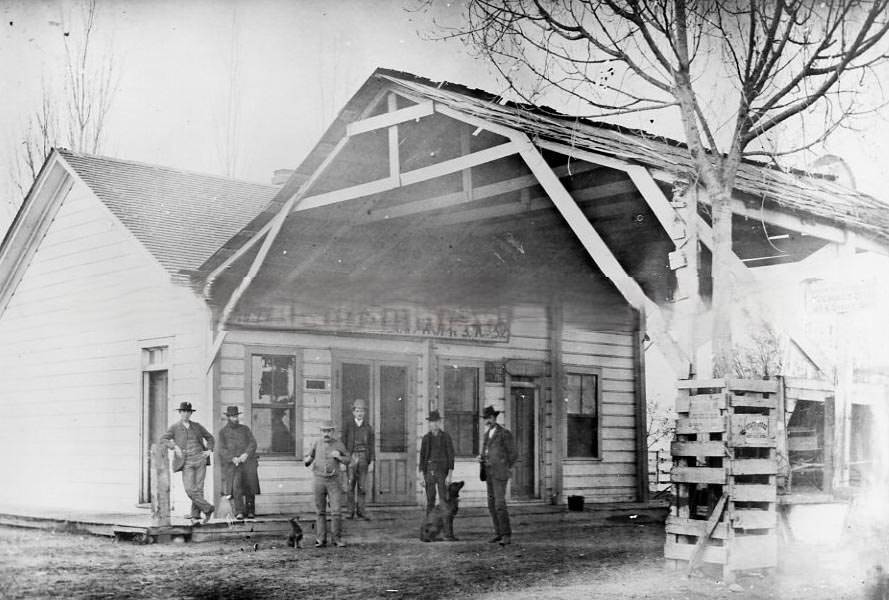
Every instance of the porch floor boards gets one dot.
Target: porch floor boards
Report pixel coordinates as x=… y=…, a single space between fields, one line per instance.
x=387 y=522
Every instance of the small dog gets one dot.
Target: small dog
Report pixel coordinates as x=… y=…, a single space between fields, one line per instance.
x=296 y=534
x=441 y=518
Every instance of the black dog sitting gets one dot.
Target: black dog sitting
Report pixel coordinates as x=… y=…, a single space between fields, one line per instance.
x=296 y=534
x=441 y=518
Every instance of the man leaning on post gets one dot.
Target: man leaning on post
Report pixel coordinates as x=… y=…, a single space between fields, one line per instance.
x=192 y=446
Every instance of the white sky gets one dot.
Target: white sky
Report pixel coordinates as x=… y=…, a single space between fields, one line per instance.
x=297 y=62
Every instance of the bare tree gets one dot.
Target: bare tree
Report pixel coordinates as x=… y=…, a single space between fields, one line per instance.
x=74 y=115
x=738 y=73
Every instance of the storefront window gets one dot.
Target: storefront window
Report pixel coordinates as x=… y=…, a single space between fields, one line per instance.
x=460 y=401
x=273 y=403
x=582 y=394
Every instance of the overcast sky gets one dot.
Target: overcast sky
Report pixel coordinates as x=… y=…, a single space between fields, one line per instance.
x=291 y=63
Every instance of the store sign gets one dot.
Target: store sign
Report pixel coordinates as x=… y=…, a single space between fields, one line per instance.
x=837 y=297
x=447 y=323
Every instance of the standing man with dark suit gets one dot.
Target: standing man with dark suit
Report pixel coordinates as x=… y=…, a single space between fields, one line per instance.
x=498 y=456
x=359 y=441
x=437 y=465
x=237 y=458
x=192 y=446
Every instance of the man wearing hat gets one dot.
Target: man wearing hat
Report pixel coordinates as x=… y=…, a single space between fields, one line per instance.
x=359 y=442
x=437 y=464
x=191 y=445
x=327 y=459
x=498 y=456
x=237 y=457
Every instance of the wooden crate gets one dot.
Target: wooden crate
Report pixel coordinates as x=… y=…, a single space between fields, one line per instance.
x=724 y=446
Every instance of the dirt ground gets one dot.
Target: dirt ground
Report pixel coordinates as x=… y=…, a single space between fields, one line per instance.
x=622 y=560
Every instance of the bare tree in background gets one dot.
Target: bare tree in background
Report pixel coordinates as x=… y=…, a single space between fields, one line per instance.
x=739 y=74
x=73 y=117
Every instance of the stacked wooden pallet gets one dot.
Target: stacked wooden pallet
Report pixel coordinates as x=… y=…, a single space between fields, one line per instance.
x=724 y=475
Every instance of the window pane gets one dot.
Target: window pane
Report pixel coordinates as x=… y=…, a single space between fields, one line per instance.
x=356 y=384
x=274 y=430
x=582 y=433
x=393 y=394
x=275 y=376
x=580 y=390
x=460 y=389
x=582 y=414
x=273 y=415
x=461 y=410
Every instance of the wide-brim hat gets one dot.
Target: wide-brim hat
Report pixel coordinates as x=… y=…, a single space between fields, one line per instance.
x=326 y=425
x=232 y=411
x=434 y=415
x=185 y=407
x=490 y=412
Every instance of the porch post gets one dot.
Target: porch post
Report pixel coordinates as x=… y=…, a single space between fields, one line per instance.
x=641 y=409
x=556 y=319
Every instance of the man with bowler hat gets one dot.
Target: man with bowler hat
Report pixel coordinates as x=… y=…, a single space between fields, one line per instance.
x=237 y=457
x=327 y=459
x=191 y=445
x=498 y=456
x=359 y=441
x=436 y=463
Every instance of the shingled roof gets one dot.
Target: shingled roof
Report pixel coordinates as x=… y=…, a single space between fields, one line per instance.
x=181 y=217
x=791 y=190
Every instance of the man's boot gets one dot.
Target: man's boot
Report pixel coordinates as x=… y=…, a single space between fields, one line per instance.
x=251 y=507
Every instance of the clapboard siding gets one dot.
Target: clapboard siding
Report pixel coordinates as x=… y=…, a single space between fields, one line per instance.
x=70 y=345
x=287 y=483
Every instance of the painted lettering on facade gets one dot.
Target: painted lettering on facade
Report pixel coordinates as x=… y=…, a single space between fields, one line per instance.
x=449 y=323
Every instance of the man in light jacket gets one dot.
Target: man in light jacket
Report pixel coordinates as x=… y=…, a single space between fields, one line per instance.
x=191 y=445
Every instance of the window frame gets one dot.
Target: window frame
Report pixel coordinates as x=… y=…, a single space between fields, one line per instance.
x=479 y=366
x=290 y=351
x=584 y=370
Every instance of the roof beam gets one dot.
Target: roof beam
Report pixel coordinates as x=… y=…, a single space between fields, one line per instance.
x=600 y=253
x=657 y=202
x=458 y=198
x=389 y=119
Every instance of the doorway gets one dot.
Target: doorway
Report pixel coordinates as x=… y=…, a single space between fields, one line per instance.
x=154 y=423
x=523 y=410
x=387 y=385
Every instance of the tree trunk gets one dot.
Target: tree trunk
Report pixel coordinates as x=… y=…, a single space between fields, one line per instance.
x=723 y=280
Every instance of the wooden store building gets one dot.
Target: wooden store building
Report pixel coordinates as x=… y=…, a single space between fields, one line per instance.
x=437 y=249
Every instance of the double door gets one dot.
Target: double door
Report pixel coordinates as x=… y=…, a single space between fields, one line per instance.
x=387 y=385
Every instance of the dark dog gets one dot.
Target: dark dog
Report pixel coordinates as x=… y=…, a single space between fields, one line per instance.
x=441 y=518
x=296 y=534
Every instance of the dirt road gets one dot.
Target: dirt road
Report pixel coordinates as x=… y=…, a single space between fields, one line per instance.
x=575 y=561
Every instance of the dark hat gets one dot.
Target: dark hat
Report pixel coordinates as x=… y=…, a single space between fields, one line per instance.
x=434 y=415
x=232 y=411
x=490 y=412
x=185 y=407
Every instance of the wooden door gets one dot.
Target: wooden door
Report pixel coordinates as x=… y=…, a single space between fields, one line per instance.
x=523 y=428
x=387 y=387
x=394 y=408
x=154 y=423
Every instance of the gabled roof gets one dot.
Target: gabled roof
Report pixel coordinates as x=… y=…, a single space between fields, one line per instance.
x=181 y=217
x=792 y=190
x=809 y=196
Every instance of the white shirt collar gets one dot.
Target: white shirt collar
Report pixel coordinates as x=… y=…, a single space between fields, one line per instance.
x=359 y=423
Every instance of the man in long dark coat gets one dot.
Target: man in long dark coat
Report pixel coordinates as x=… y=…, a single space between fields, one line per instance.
x=236 y=447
